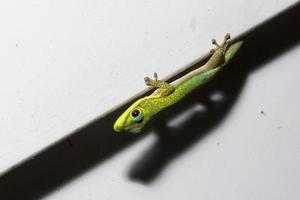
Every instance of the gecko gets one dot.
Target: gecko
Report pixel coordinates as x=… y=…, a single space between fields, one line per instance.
x=167 y=94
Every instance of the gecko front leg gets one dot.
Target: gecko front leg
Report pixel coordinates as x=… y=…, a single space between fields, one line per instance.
x=164 y=88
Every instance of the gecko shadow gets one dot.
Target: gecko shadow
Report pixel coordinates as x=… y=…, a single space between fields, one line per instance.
x=263 y=43
x=173 y=141
x=93 y=144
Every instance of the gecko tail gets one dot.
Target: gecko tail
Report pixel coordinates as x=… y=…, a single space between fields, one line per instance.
x=233 y=49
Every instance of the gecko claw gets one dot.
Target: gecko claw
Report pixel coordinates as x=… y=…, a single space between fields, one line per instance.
x=224 y=44
x=151 y=82
x=147 y=81
x=214 y=42
x=155 y=76
x=227 y=37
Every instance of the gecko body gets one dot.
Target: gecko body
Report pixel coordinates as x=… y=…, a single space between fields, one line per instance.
x=167 y=94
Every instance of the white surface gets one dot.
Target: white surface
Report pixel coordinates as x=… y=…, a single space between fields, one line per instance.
x=64 y=63
x=250 y=156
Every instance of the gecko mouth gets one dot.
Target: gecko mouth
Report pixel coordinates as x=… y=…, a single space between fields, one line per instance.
x=134 y=129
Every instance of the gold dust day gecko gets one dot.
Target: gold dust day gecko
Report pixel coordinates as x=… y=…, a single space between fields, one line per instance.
x=167 y=94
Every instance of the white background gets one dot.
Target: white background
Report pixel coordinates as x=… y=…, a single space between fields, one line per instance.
x=64 y=63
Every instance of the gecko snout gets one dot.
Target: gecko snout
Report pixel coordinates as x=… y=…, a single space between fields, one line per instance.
x=117 y=128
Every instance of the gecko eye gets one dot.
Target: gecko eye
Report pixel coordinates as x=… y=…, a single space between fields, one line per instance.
x=136 y=115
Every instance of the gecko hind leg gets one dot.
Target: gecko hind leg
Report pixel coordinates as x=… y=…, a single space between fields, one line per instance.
x=223 y=45
x=164 y=88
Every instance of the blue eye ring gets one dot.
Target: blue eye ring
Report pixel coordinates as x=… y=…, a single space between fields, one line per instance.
x=137 y=115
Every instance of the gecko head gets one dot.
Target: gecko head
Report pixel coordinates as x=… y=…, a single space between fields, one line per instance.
x=134 y=118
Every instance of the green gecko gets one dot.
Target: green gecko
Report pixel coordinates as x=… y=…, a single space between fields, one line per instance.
x=167 y=94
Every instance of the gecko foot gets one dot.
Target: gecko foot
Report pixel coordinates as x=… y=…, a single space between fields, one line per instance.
x=164 y=88
x=151 y=82
x=223 y=45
